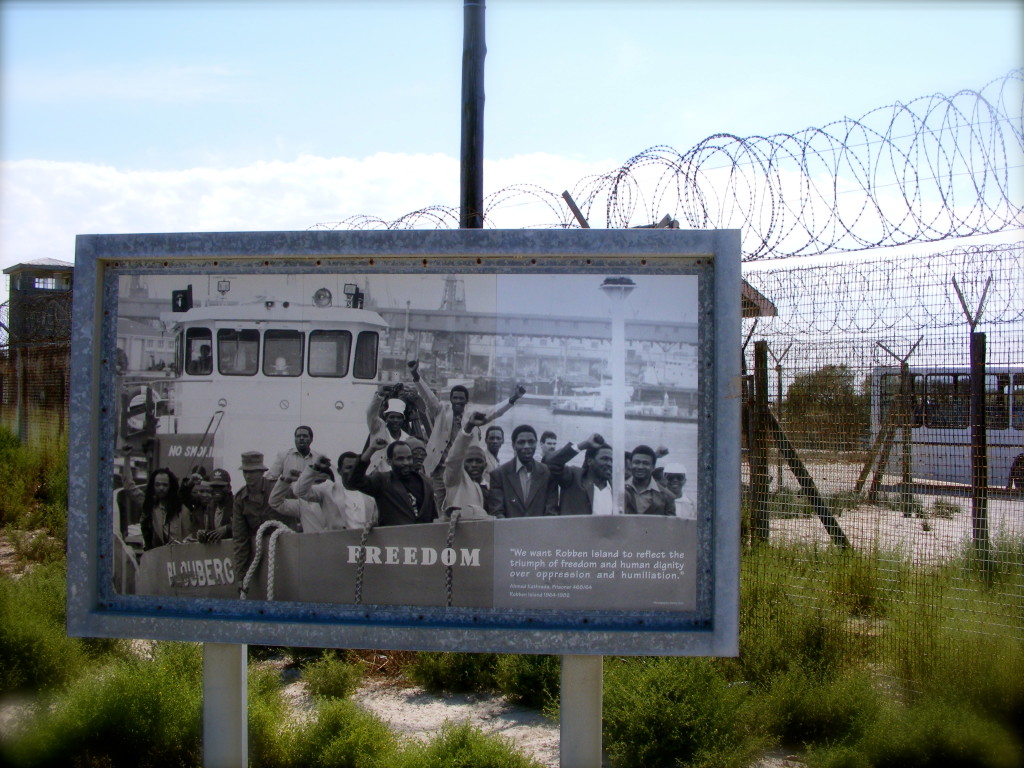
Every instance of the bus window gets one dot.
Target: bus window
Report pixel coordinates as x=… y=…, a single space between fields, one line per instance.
x=366 y=355
x=329 y=352
x=238 y=352
x=947 y=402
x=282 y=352
x=1017 y=420
x=890 y=390
x=997 y=401
x=198 y=352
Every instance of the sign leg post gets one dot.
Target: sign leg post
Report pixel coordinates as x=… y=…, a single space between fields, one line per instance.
x=580 y=712
x=225 y=709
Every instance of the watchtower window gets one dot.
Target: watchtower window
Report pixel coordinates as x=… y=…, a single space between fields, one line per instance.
x=366 y=355
x=282 y=352
x=198 y=352
x=238 y=351
x=329 y=353
x=45 y=283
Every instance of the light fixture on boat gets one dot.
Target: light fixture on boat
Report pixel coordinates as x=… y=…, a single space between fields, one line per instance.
x=322 y=298
x=353 y=296
x=223 y=286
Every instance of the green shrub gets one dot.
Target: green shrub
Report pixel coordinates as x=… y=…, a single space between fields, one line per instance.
x=529 y=680
x=800 y=708
x=453 y=672
x=463 y=746
x=134 y=713
x=341 y=735
x=933 y=735
x=672 y=712
x=332 y=676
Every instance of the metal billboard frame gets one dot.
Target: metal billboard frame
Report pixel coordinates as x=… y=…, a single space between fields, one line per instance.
x=713 y=256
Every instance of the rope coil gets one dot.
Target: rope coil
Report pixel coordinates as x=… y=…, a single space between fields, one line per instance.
x=257 y=555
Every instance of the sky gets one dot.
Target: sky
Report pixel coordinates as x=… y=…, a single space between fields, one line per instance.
x=153 y=116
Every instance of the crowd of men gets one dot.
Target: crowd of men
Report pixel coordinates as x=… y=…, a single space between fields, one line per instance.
x=399 y=479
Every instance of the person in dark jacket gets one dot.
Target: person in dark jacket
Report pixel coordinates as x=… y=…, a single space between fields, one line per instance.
x=403 y=495
x=585 y=490
x=522 y=487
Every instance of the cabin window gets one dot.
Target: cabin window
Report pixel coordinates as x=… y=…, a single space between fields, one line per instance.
x=997 y=401
x=282 y=352
x=198 y=352
x=238 y=352
x=1017 y=419
x=948 y=401
x=329 y=352
x=366 y=355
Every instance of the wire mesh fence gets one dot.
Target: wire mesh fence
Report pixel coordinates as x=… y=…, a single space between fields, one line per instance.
x=884 y=444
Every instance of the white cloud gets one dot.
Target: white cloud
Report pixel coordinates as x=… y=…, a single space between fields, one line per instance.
x=44 y=204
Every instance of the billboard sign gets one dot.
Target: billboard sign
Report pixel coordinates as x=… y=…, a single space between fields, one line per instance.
x=471 y=440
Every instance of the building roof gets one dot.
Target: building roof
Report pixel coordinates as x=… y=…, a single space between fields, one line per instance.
x=52 y=264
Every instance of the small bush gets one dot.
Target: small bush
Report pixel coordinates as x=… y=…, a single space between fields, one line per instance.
x=803 y=709
x=532 y=681
x=463 y=746
x=945 y=510
x=136 y=713
x=672 y=712
x=453 y=672
x=331 y=676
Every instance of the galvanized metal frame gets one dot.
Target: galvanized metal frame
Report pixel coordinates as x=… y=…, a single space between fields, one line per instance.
x=714 y=256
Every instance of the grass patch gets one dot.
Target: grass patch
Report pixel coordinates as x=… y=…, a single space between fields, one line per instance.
x=533 y=681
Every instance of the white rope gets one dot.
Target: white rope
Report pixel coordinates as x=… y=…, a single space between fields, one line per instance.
x=257 y=556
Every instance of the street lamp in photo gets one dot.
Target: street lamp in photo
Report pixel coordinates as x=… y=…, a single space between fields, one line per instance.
x=617 y=289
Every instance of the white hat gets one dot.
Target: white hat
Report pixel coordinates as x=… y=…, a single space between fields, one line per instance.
x=395 y=405
x=675 y=468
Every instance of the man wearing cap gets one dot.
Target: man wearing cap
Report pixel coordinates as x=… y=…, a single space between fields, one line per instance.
x=252 y=509
x=217 y=524
x=643 y=494
x=447 y=422
x=299 y=457
x=466 y=481
x=674 y=476
x=389 y=426
x=585 y=490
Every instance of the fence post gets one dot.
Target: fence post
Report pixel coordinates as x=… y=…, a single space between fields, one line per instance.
x=979 y=452
x=579 y=714
x=225 y=706
x=759 y=479
x=906 y=421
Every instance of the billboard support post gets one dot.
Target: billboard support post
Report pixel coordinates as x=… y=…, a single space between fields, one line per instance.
x=579 y=740
x=225 y=709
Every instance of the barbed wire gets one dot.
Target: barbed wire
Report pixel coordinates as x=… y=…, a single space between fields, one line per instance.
x=935 y=168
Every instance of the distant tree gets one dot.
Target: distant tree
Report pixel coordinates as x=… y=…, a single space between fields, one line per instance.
x=823 y=409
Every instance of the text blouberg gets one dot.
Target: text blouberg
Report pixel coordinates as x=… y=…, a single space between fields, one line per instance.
x=629 y=563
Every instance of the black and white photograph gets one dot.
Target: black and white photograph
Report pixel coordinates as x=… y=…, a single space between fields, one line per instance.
x=409 y=439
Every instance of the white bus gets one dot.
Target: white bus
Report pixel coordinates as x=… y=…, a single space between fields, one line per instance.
x=246 y=375
x=940 y=421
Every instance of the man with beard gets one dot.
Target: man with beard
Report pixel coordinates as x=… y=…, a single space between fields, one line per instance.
x=403 y=495
x=643 y=494
x=447 y=421
x=465 y=482
x=585 y=490
x=522 y=487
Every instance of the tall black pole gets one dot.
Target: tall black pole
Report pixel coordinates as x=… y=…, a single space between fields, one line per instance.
x=471 y=204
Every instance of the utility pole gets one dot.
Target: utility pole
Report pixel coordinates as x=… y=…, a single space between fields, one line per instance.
x=474 y=49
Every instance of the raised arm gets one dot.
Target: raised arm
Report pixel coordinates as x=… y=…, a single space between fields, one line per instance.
x=504 y=406
x=433 y=404
x=457 y=452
